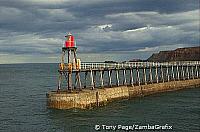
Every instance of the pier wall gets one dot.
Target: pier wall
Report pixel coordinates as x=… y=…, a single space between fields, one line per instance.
x=93 y=98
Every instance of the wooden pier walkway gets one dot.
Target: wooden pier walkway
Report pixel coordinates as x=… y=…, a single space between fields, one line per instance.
x=99 y=75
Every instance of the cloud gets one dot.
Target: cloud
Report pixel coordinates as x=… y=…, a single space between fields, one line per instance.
x=38 y=26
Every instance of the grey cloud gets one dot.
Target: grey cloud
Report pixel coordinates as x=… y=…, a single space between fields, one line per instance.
x=39 y=26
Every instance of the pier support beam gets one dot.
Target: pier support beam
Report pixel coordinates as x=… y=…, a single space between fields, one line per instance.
x=150 y=75
x=110 y=78
x=172 y=72
x=124 y=74
x=101 y=78
x=117 y=77
x=70 y=81
x=188 y=74
x=131 y=76
x=78 y=80
x=197 y=73
x=167 y=72
x=92 y=79
x=162 y=74
x=192 y=72
x=59 y=81
x=144 y=75
x=138 y=75
x=85 y=79
x=156 y=75
x=177 y=70
x=183 y=72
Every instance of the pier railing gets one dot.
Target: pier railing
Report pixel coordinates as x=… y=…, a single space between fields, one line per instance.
x=90 y=65
x=99 y=75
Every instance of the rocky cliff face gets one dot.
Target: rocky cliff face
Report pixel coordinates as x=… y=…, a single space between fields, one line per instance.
x=180 y=54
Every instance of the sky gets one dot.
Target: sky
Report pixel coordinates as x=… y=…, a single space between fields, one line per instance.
x=32 y=31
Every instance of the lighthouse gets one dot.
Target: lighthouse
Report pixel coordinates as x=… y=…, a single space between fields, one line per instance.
x=72 y=65
x=70 y=42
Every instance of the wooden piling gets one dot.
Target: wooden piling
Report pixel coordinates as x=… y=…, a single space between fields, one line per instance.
x=101 y=78
x=192 y=69
x=197 y=73
x=75 y=84
x=183 y=72
x=150 y=75
x=188 y=74
x=124 y=74
x=91 y=78
x=85 y=79
x=117 y=77
x=177 y=70
x=156 y=75
x=138 y=76
x=110 y=78
x=94 y=78
x=172 y=72
x=131 y=76
x=167 y=72
x=162 y=74
x=59 y=82
x=144 y=75
x=77 y=80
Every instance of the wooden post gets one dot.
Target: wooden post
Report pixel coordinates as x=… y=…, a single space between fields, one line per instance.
x=94 y=78
x=110 y=79
x=138 y=75
x=69 y=74
x=75 y=84
x=156 y=72
x=183 y=72
x=197 y=73
x=131 y=76
x=117 y=77
x=77 y=76
x=101 y=78
x=172 y=71
x=168 y=72
x=192 y=71
x=77 y=80
x=59 y=82
x=92 y=81
x=162 y=74
x=124 y=73
x=150 y=74
x=69 y=81
x=177 y=70
x=188 y=74
x=60 y=72
x=85 y=79
x=144 y=74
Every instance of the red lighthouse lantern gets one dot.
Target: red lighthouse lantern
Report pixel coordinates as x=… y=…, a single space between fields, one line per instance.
x=70 y=42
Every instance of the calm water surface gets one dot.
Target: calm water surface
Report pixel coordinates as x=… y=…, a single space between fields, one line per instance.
x=23 y=89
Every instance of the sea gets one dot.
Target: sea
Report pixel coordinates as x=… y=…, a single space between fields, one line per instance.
x=23 y=107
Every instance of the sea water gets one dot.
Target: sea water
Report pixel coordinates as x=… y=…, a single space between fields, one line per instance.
x=23 y=89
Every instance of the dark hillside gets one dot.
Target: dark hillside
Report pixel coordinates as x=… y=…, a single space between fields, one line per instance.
x=180 y=54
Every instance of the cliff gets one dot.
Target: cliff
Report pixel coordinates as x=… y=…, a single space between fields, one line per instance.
x=180 y=54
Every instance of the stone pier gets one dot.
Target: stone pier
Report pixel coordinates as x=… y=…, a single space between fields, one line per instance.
x=88 y=98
